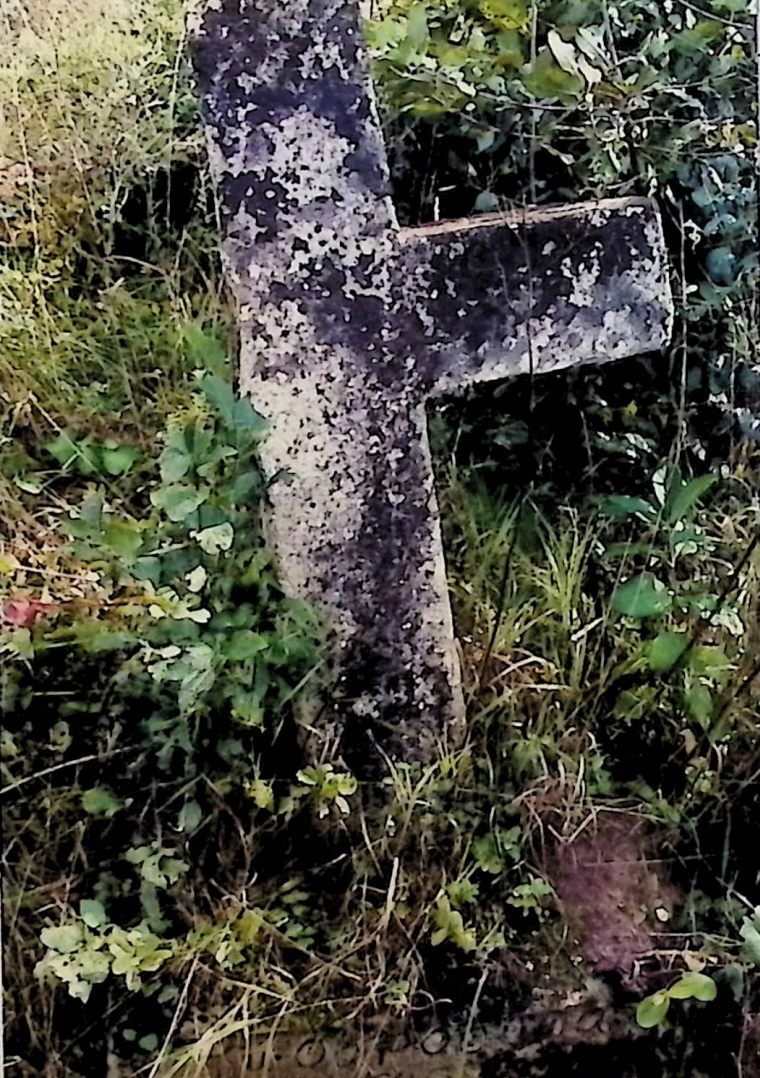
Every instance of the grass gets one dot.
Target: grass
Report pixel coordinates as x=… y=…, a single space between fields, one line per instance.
x=451 y=883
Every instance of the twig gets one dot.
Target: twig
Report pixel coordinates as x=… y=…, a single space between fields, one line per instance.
x=59 y=767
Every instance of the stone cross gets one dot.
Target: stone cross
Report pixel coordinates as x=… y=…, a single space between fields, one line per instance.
x=350 y=325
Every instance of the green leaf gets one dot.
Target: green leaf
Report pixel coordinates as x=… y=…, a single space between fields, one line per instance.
x=190 y=817
x=652 y=1010
x=65 y=939
x=123 y=537
x=244 y=644
x=63 y=449
x=699 y=704
x=682 y=501
x=217 y=539
x=621 y=507
x=118 y=459
x=178 y=501
x=99 y=801
x=261 y=793
x=148 y=568
x=205 y=350
x=546 y=80
x=694 y=986
x=642 y=596
x=666 y=649
x=709 y=661
x=509 y=14
x=417 y=33
x=149 y=1043
x=486 y=855
x=236 y=413
x=93 y=913
x=750 y=934
x=175 y=463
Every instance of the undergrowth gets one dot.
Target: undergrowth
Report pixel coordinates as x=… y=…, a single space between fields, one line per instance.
x=179 y=877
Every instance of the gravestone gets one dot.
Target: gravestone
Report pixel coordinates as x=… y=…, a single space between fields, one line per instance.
x=350 y=325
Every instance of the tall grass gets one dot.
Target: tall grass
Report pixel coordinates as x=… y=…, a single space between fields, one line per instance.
x=105 y=250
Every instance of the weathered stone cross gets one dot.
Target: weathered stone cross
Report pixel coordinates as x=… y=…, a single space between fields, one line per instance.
x=349 y=325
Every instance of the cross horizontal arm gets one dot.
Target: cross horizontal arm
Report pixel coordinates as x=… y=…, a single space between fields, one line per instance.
x=537 y=290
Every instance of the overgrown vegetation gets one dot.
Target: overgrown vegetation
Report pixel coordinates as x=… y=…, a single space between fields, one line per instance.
x=584 y=867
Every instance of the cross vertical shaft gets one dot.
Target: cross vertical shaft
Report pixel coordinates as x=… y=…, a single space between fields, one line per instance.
x=348 y=326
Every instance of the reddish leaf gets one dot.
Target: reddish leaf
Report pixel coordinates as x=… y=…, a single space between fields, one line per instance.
x=22 y=613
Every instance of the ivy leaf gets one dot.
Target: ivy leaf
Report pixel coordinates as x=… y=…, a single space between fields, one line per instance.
x=666 y=649
x=652 y=1010
x=642 y=596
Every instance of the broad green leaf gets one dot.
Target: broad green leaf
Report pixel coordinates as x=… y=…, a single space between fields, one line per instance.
x=694 y=986
x=652 y=1010
x=93 y=637
x=178 y=501
x=175 y=463
x=237 y=413
x=93 y=913
x=710 y=661
x=217 y=539
x=244 y=644
x=417 y=33
x=123 y=537
x=221 y=397
x=63 y=449
x=147 y=568
x=509 y=14
x=65 y=939
x=247 y=710
x=682 y=501
x=666 y=649
x=100 y=801
x=118 y=459
x=546 y=80
x=642 y=596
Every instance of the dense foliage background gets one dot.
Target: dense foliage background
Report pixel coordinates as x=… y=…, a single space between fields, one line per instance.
x=585 y=868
